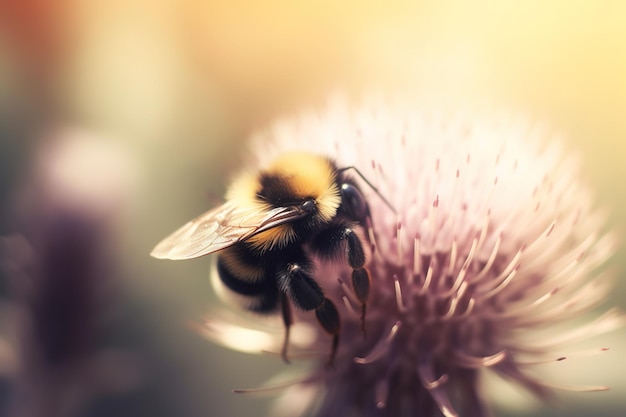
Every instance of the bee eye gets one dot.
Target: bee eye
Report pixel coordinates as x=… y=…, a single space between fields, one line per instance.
x=352 y=202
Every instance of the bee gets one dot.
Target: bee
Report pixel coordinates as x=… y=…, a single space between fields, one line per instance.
x=268 y=230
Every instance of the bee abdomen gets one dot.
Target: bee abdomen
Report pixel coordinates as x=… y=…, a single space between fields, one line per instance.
x=243 y=275
x=242 y=263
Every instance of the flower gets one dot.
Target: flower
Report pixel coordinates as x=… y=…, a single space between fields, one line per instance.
x=495 y=244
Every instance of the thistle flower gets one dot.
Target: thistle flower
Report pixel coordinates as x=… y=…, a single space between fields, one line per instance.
x=495 y=245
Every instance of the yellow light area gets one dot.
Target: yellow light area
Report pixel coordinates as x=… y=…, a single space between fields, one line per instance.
x=240 y=338
x=238 y=334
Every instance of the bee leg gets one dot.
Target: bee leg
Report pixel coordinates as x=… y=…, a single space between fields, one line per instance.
x=341 y=239
x=328 y=317
x=296 y=280
x=360 y=275
x=361 y=286
x=296 y=284
x=288 y=321
x=355 y=252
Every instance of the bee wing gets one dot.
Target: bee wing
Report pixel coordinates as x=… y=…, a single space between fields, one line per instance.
x=220 y=228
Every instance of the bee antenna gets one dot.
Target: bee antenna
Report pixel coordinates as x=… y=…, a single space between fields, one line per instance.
x=387 y=203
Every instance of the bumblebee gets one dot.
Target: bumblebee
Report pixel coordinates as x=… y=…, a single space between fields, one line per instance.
x=267 y=231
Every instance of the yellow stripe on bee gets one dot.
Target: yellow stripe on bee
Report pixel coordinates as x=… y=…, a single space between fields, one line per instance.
x=244 y=188
x=310 y=175
x=276 y=237
x=240 y=269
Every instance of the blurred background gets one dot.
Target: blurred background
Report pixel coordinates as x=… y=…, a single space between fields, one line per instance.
x=164 y=93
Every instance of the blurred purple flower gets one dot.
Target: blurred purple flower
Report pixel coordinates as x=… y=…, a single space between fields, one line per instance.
x=61 y=264
x=495 y=246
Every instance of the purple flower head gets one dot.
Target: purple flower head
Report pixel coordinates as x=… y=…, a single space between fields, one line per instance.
x=495 y=244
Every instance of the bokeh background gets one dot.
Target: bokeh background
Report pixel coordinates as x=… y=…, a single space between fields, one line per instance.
x=171 y=89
